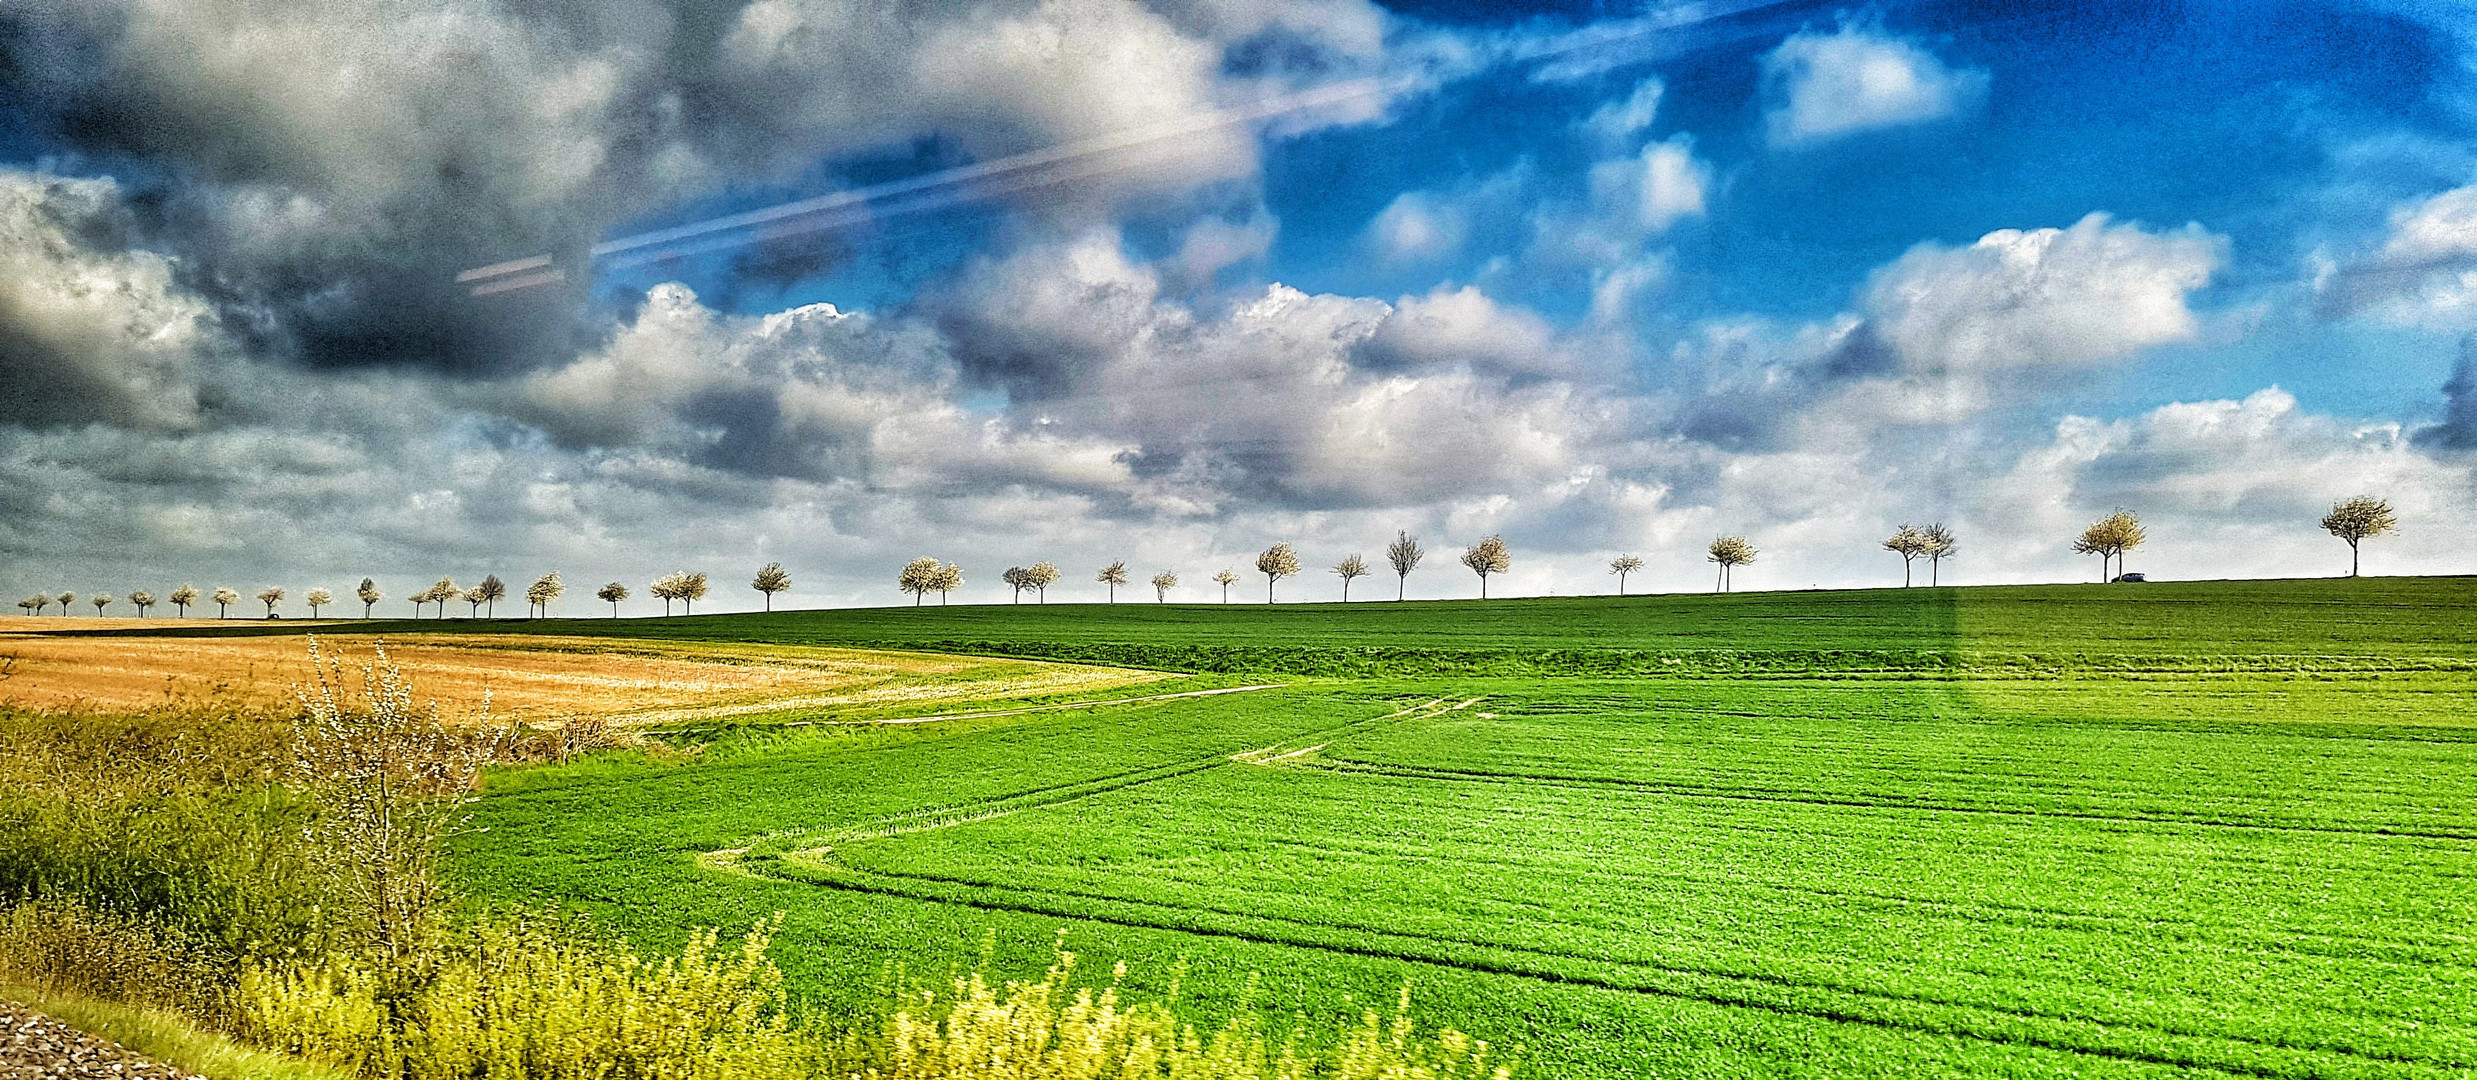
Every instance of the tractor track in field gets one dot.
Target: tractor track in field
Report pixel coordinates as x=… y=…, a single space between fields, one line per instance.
x=761 y=707
x=1536 y=964
x=820 y=842
x=1418 y=772
x=2157 y=1042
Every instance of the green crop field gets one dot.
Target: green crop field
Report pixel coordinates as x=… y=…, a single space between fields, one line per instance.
x=2205 y=828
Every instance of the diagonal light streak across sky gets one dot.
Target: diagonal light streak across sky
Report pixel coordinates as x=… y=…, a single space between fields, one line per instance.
x=1593 y=47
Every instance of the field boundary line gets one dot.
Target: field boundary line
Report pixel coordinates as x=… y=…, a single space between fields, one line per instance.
x=1057 y=707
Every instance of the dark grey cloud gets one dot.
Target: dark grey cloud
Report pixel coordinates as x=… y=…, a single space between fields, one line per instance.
x=324 y=171
x=2458 y=430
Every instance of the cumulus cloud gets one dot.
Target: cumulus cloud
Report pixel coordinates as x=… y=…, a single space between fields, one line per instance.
x=329 y=168
x=1965 y=327
x=1825 y=86
x=2424 y=272
x=1943 y=334
x=1289 y=397
x=1629 y=199
x=2233 y=488
x=1655 y=188
x=91 y=329
x=811 y=392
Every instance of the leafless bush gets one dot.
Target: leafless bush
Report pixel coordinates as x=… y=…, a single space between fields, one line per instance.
x=391 y=780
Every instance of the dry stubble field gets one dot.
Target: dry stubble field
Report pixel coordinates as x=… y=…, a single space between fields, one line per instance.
x=56 y=664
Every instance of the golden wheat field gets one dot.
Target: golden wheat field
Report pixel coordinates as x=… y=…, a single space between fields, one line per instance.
x=531 y=677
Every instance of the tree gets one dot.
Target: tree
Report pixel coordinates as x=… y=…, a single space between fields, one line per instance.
x=1162 y=583
x=666 y=588
x=949 y=578
x=1404 y=553
x=545 y=589
x=1940 y=546
x=418 y=600
x=1731 y=552
x=473 y=598
x=141 y=600
x=1908 y=542
x=369 y=596
x=183 y=597
x=1276 y=563
x=2111 y=537
x=691 y=589
x=612 y=594
x=771 y=579
x=2357 y=519
x=1113 y=575
x=316 y=599
x=1042 y=575
x=100 y=601
x=919 y=578
x=66 y=598
x=443 y=592
x=1488 y=557
x=34 y=605
x=271 y=596
x=492 y=590
x=1226 y=578
x=1352 y=567
x=2093 y=541
x=224 y=597
x=1621 y=566
x=1018 y=579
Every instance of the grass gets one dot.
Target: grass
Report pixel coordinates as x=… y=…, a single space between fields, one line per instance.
x=168 y=1037
x=2212 y=827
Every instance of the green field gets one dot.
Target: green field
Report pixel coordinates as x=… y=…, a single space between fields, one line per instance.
x=2222 y=827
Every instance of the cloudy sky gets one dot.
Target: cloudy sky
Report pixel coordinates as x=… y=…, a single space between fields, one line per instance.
x=838 y=283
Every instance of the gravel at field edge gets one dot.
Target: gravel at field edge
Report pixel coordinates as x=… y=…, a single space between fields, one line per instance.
x=33 y=1046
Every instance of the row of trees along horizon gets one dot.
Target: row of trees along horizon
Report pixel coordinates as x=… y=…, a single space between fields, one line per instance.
x=2110 y=538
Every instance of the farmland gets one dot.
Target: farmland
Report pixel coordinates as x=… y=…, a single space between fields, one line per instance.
x=2062 y=831
x=525 y=676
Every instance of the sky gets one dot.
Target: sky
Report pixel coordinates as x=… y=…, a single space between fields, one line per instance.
x=293 y=295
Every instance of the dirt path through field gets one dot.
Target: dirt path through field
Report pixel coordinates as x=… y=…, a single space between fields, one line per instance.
x=524 y=676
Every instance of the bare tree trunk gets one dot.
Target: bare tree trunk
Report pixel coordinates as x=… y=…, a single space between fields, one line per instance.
x=1905 y=564
x=2352 y=558
x=1721 y=579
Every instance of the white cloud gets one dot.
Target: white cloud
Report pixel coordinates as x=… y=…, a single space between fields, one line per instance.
x=1213 y=244
x=1655 y=188
x=1619 y=121
x=2424 y=273
x=1417 y=226
x=1824 y=86
x=2231 y=489
x=88 y=334
x=2001 y=318
x=1629 y=199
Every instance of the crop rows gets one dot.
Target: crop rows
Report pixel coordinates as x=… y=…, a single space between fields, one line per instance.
x=2115 y=935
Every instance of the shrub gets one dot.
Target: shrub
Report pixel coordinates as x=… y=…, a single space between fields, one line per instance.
x=528 y=996
x=60 y=945
x=1045 y=1031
